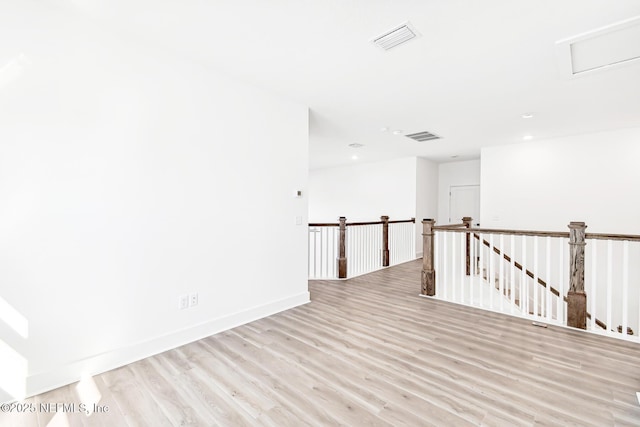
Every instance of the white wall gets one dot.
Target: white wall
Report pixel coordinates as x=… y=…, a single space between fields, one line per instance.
x=426 y=195
x=401 y=188
x=127 y=178
x=546 y=184
x=364 y=192
x=454 y=173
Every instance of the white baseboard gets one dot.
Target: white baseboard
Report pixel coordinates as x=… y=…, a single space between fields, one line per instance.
x=103 y=362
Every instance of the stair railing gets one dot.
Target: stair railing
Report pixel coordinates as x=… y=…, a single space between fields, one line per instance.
x=476 y=266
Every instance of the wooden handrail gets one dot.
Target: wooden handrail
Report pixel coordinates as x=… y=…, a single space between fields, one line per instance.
x=400 y=221
x=446 y=227
x=349 y=224
x=602 y=236
x=336 y=224
x=595 y=236
x=459 y=229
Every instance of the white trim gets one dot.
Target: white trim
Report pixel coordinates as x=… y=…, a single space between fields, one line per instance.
x=103 y=362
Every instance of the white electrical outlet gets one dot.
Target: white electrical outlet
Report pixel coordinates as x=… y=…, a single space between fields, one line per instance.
x=183 y=301
x=193 y=299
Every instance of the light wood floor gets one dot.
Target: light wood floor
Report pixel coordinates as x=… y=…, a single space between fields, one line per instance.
x=369 y=351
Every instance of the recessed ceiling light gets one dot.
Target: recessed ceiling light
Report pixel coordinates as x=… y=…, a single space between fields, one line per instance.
x=354 y=157
x=356 y=145
x=527 y=115
x=455 y=156
x=527 y=137
x=384 y=129
x=397 y=132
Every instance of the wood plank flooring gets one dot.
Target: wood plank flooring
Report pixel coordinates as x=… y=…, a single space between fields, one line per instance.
x=369 y=351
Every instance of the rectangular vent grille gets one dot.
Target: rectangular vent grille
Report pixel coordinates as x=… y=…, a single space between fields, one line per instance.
x=423 y=136
x=396 y=36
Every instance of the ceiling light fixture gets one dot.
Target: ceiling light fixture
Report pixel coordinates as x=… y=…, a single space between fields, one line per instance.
x=354 y=157
x=527 y=137
x=527 y=115
x=356 y=145
x=397 y=132
x=384 y=129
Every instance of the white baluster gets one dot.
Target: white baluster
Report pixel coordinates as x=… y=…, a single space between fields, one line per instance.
x=323 y=261
x=524 y=289
x=336 y=249
x=512 y=270
x=372 y=248
x=463 y=262
x=453 y=256
x=637 y=332
x=449 y=286
x=490 y=273
x=472 y=279
x=625 y=287
x=548 y=307
x=440 y=258
x=501 y=273
x=412 y=241
x=357 y=252
x=535 y=276
x=609 y=284
x=482 y=270
x=445 y=269
x=594 y=279
x=350 y=244
x=315 y=247
x=360 y=251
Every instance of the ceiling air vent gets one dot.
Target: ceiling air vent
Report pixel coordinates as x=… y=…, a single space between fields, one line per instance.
x=398 y=35
x=423 y=136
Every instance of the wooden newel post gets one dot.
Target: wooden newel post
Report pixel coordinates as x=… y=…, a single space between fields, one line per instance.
x=428 y=273
x=467 y=223
x=385 y=240
x=342 y=249
x=576 y=297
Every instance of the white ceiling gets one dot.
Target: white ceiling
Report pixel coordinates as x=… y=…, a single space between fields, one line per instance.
x=477 y=67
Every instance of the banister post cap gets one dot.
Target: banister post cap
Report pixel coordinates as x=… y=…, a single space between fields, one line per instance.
x=577 y=225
